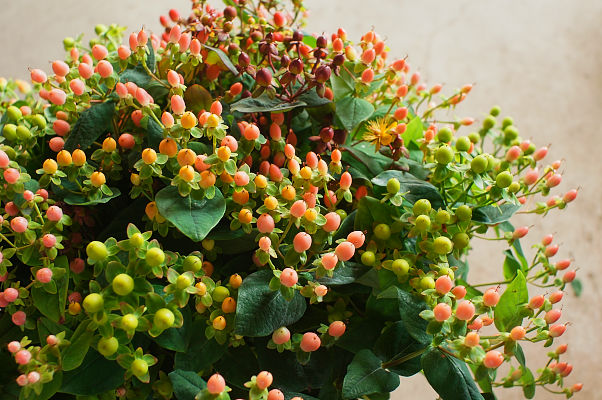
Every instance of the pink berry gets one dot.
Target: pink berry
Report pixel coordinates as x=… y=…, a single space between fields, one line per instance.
x=11 y=175
x=275 y=394
x=3 y=302
x=553 y=180
x=105 y=69
x=531 y=176
x=216 y=384
x=275 y=131
x=265 y=223
x=310 y=342
x=302 y=242
x=476 y=324
x=123 y=52
x=61 y=127
x=4 y=160
x=75 y=297
x=459 y=292
x=540 y=153
x=22 y=380
x=520 y=232
x=329 y=261
x=337 y=329
x=77 y=87
x=264 y=380
x=19 y=318
x=367 y=75
x=177 y=104
x=85 y=70
x=472 y=339
x=11 y=294
x=569 y=276
x=536 y=302
x=311 y=159
x=38 y=76
x=265 y=243
x=333 y=221
x=99 y=52
x=344 y=251
x=18 y=224
x=557 y=330
x=11 y=209
x=556 y=297
x=442 y=312
x=44 y=275
x=174 y=34
x=14 y=346
x=173 y=78
x=518 y=333
x=289 y=277
x=33 y=377
x=493 y=359
x=77 y=265
x=465 y=310
x=551 y=250
x=357 y=238
x=513 y=153
x=126 y=141
x=49 y=240
x=60 y=68
x=298 y=208
x=43 y=193
x=184 y=42
x=443 y=284
x=57 y=97
x=321 y=290
x=570 y=196
x=491 y=298
x=345 y=181
x=281 y=335
x=251 y=132
x=56 y=144
x=142 y=38
x=552 y=316
x=51 y=340
x=547 y=239
x=577 y=387
x=54 y=213
x=195 y=47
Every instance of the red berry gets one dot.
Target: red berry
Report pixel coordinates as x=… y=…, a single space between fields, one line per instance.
x=19 y=318
x=329 y=261
x=14 y=346
x=551 y=250
x=472 y=339
x=476 y=324
x=570 y=196
x=275 y=394
x=310 y=342
x=56 y=144
x=520 y=232
x=99 y=52
x=465 y=310
x=569 y=276
x=22 y=380
x=44 y=275
x=493 y=359
x=60 y=68
x=298 y=208
x=77 y=265
x=442 y=312
x=11 y=294
x=11 y=175
x=281 y=335
x=536 y=302
x=216 y=384
x=265 y=223
x=556 y=297
x=577 y=387
x=279 y=19
x=57 y=97
x=336 y=329
x=557 y=330
x=289 y=277
x=22 y=357
x=547 y=239
x=38 y=76
x=18 y=224
x=443 y=284
x=48 y=240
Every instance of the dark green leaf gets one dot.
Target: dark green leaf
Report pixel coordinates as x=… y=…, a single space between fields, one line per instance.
x=95 y=375
x=79 y=200
x=528 y=382
x=91 y=124
x=418 y=189
x=511 y=265
x=347 y=272
x=449 y=376
x=312 y=99
x=492 y=215
x=343 y=85
x=396 y=343
x=370 y=211
x=154 y=133
x=237 y=365
x=47 y=303
x=265 y=104
x=177 y=339
x=260 y=311
x=73 y=356
x=366 y=376
x=48 y=391
x=197 y=98
x=361 y=334
x=515 y=295
x=352 y=111
x=186 y=384
x=201 y=354
x=194 y=218
x=410 y=306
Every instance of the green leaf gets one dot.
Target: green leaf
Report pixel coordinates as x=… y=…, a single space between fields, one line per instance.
x=91 y=124
x=186 y=384
x=410 y=306
x=511 y=265
x=365 y=376
x=154 y=133
x=260 y=311
x=79 y=200
x=237 y=365
x=417 y=188
x=264 y=103
x=352 y=111
x=528 y=382
x=312 y=99
x=370 y=211
x=177 y=339
x=46 y=303
x=194 y=218
x=48 y=390
x=414 y=131
x=202 y=352
x=449 y=376
x=343 y=85
x=73 y=356
x=197 y=98
x=345 y=273
x=95 y=375
x=223 y=58
x=577 y=287
x=492 y=215
x=395 y=343
x=515 y=295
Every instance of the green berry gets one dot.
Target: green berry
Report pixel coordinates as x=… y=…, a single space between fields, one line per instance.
x=422 y=206
x=39 y=121
x=136 y=240
x=93 y=303
x=461 y=240
x=23 y=132
x=68 y=43
x=97 y=251
x=495 y=111
x=423 y=223
x=400 y=267
x=510 y=133
x=100 y=29
x=183 y=281
x=192 y=263
x=492 y=162
x=108 y=346
x=393 y=186
x=220 y=293
x=155 y=257
x=514 y=187
x=427 y=282
x=139 y=367
x=208 y=244
x=163 y=319
x=123 y=284
x=10 y=132
x=445 y=135
x=503 y=179
x=442 y=245
x=507 y=122
x=382 y=231
x=342 y=214
x=14 y=113
x=444 y=155
x=478 y=165
x=463 y=143
x=368 y=258
x=464 y=213
x=489 y=122
x=474 y=137
x=129 y=322
x=442 y=217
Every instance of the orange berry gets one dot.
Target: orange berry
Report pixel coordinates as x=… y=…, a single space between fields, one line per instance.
x=219 y=323
x=64 y=158
x=261 y=181
x=149 y=156
x=151 y=210
x=109 y=145
x=207 y=179
x=305 y=172
x=241 y=197
x=229 y=305
x=223 y=153
x=264 y=380
x=207 y=268
x=50 y=166
x=245 y=216
x=187 y=173
x=188 y=120
x=168 y=147
x=98 y=179
x=186 y=157
x=270 y=202
x=235 y=281
x=135 y=179
x=78 y=157
x=289 y=192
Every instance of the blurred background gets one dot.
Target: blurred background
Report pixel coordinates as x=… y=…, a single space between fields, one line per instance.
x=540 y=61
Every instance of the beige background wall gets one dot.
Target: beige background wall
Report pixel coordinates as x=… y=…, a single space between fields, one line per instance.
x=540 y=60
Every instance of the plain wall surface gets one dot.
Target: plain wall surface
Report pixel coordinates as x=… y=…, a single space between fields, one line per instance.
x=540 y=60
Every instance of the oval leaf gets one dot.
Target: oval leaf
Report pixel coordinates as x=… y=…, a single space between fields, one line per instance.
x=366 y=376
x=515 y=295
x=91 y=124
x=351 y=111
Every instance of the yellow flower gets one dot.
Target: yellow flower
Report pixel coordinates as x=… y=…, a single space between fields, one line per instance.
x=380 y=132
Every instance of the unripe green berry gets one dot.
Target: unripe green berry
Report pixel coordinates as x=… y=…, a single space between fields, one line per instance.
x=461 y=240
x=23 y=133
x=139 y=368
x=514 y=187
x=422 y=206
x=495 y=111
x=463 y=143
x=427 y=282
x=489 y=122
x=93 y=303
x=442 y=245
x=400 y=267
x=464 y=213
x=108 y=346
x=444 y=135
x=474 y=137
x=97 y=251
x=382 y=231
x=393 y=186
x=163 y=319
x=10 y=132
x=39 y=121
x=155 y=257
x=423 y=223
x=68 y=43
x=136 y=240
x=129 y=322
x=503 y=179
x=507 y=122
x=123 y=284
x=220 y=293
x=183 y=281
x=478 y=165
x=192 y=263
x=442 y=217
x=510 y=133
x=14 y=113
x=100 y=29
x=444 y=155
x=342 y=214
x=368 y=258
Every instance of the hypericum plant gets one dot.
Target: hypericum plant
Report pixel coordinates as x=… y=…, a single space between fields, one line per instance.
x=236 y=196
